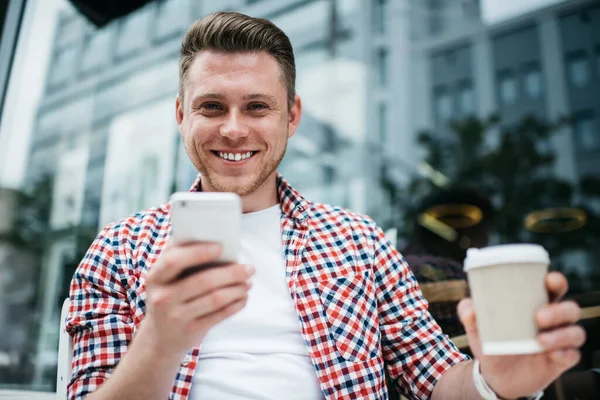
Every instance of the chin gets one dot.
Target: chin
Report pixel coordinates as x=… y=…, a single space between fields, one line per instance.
x=242 y=186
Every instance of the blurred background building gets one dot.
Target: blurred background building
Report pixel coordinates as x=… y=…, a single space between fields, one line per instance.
x=100 y=142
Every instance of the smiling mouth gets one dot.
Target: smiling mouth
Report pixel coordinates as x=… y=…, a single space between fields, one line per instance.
x=234 y=157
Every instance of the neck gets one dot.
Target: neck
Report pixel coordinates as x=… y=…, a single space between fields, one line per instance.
x=263 y=197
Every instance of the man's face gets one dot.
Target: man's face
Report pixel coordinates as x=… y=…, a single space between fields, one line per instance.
x=235 y=120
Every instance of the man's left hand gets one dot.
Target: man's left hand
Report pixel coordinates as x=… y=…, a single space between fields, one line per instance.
x=521 y=375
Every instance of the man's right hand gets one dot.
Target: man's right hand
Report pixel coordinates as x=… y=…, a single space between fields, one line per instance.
x=181 y=311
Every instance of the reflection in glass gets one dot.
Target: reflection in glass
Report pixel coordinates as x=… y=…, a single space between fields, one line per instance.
x=578 y=69
x=173 y=17
x=134 y=32
x=443 y=105
x=508 y=88
x=586 y=131
x=382 y=112
x=64 y=65
x=533 y=82
x=466 y=99
x=97 y=49
x=382 y=64
x=379 y=16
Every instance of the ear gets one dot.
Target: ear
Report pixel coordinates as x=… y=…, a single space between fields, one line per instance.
x=179 y=113
x=294 y=116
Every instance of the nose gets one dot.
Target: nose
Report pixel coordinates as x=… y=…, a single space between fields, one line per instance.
x=234 y=127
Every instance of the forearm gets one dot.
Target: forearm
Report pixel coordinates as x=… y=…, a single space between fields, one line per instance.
x=144 y=373
x=456 y=383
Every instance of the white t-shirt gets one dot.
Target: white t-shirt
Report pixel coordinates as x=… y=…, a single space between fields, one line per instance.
x=258 y=353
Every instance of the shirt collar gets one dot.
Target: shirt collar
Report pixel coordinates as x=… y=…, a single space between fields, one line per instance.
x=292 y=203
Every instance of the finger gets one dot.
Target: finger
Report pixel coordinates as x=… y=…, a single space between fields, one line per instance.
x=557 y=285
x=466 y=313
x=565 y=358
x=214 y=301
x=206 y=281
x=217 y=317
x=558 y=314
x=174 y=260
x=563 y=338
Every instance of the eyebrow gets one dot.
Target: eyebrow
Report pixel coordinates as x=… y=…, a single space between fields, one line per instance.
x=217 y=96
x=258 y=96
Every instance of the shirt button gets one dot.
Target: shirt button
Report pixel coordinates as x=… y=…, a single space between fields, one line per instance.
x=186 y=360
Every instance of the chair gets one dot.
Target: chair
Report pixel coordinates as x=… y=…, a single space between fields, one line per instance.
x=65 y=355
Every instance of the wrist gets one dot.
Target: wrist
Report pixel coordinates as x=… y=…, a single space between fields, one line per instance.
x=147 y=338
x=487 y=393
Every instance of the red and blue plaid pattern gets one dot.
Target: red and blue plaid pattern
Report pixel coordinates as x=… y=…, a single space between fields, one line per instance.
x=358 y=302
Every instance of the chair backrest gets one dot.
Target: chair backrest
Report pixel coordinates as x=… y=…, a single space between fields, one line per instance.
x=453 y=290
x=65 y=354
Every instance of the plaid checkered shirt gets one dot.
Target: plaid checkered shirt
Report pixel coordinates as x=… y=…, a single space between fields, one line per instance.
x=359 y=304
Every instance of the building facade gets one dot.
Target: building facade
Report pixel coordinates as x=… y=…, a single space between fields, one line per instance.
x=371 y=74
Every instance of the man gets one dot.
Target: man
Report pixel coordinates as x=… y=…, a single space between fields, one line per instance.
x=331 y=299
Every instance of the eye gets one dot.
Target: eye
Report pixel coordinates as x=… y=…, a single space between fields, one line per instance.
x=257 y=107
x=211 y=106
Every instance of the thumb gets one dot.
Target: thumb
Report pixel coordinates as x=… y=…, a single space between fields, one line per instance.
x=466 y=314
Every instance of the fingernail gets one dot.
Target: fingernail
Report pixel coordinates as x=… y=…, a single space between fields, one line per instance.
x=250 y=269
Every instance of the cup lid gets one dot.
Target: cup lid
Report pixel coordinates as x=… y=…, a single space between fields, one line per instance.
x=505 y=254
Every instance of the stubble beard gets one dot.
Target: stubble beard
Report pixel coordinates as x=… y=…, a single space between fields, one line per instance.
x=245 y=188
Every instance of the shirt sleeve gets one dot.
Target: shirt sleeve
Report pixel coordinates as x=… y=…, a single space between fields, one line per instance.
x=415 y=349
x=99 y=318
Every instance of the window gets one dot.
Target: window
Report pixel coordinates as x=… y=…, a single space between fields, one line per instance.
x=382 y=116
x=586 y=132
x=533 y=82
x=308 y=16
x=443 y=105
x=379 y=16
x=598 y=61
x=507 y=88
x=466 y=99
x=97 y=48
x=173 y=17
x=382 y=66
x=64 y=65
x=578 y=70
x=436 y=11
x=134 y=32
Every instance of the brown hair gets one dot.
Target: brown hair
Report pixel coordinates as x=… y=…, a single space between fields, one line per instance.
x=232 y=32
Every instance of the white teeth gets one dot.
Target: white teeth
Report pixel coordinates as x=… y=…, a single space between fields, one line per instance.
x=235 y=157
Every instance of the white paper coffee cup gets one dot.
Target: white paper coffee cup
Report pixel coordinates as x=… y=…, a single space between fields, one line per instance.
x=507 y=285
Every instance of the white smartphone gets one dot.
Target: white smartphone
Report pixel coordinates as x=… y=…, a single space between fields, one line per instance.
x=208 y=217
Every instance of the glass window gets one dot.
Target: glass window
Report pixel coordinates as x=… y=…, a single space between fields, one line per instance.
x=379 y=16
x=508 y=89
x=134 y=32
x=382 y=66
x=301 y=19
x=578 y=69
x=383 y=125
x=64 y=65
x=173 y=17
x=598 y=61
x=443 y=105
x=533 y=82
x=89 y=115
x=466 y=99
x=587 y=132
x=97 y=49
